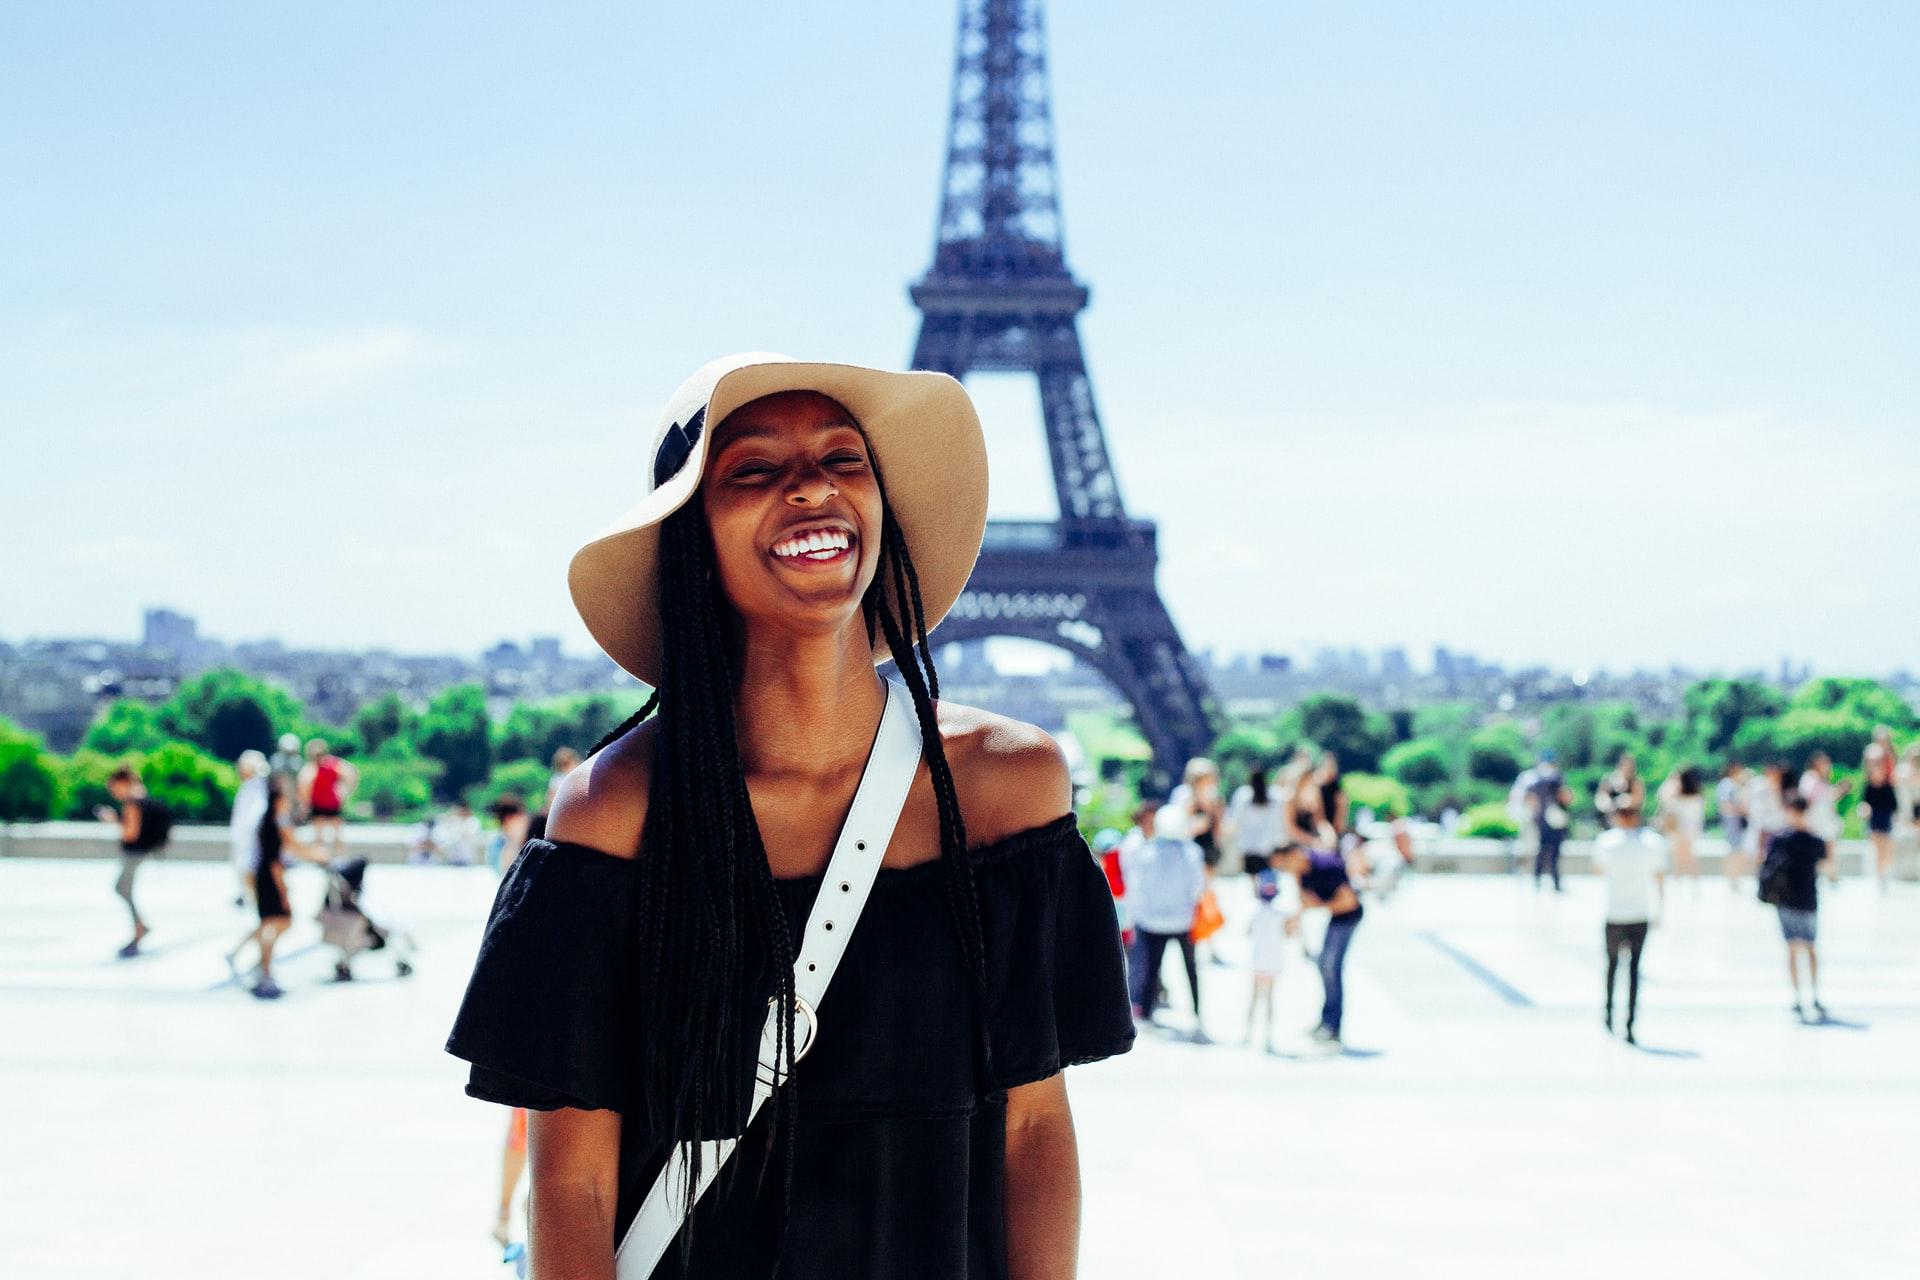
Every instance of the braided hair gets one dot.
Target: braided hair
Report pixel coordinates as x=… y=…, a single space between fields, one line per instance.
x=713 y=940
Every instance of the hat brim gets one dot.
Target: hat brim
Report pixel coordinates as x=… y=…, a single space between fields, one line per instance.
x=932 y=456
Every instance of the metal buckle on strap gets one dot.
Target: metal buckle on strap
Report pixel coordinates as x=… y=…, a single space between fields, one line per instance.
x=763 y=1072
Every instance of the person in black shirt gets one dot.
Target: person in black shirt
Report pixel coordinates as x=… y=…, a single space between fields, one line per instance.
x=1790 y=881
x=144 y=826
x=1881 y=801
x=633 y=957
x=1324 y=884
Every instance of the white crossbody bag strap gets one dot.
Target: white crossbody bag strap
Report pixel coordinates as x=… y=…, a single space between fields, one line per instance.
x=849 y=878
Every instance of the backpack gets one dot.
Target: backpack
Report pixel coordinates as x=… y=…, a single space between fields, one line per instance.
x=156 y=824
x=1773 y=878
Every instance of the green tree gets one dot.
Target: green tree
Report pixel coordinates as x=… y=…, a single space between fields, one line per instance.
x=535 y=730
x=526 y=779
x=1869 y=700
x=1419 y=763
x=1243 y=747
x=1841 y=732
x=397 y=783
x=1339 y=724
x=455 y=731
x=83 y=782
x=126 y=724
x=196 y=786
x=29 y=779
x=1718 y=709
x=1450 y=721
x=1496 y=753
x=226 y=712
x=386 y=718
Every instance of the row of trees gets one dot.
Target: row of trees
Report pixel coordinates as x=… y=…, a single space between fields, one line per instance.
x=1420 y=760
x=409 y=760
x=1445 y=755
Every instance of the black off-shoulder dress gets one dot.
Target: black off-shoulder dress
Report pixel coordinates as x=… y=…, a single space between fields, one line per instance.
x=899 y=1148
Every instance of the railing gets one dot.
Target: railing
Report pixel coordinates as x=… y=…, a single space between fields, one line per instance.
x=1064 y=535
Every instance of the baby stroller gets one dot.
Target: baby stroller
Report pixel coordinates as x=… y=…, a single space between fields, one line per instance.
x=344 y=924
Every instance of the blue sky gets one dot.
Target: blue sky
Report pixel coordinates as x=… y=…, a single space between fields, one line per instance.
x=1575 y=333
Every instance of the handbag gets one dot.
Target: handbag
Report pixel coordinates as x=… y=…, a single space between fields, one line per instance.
x=843 y=893
x=1207 y=919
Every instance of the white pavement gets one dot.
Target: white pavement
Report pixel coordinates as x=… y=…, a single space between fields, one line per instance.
x=162 y=1123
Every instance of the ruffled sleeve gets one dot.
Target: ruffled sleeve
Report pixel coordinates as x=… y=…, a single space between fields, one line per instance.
x=544 y=1020
x=1056 y=978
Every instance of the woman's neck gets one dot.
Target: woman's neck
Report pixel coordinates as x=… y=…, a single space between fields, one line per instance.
x=807 y=701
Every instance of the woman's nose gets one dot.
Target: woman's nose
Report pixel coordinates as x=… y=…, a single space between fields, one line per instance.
x=811 y=490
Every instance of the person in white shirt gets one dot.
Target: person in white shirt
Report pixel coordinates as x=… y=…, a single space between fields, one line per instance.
x=1254 y=817
x=243 y=829
x=1268 y=931
x=1165 y=877
x=456 y=834
x=1633 y=861
x=1823 y=795
x=1730 y=799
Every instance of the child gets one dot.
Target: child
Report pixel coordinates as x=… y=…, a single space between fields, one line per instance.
x=1269 y=934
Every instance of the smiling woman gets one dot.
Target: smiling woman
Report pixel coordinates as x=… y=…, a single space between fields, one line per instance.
x=654 y=972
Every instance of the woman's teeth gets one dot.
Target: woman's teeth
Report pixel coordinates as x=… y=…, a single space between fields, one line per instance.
x=822 y=544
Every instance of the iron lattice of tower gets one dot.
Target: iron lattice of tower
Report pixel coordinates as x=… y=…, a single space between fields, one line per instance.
x=999 y=296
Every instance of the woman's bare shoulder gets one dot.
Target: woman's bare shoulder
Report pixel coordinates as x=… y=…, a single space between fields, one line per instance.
x=1011 y=776
x=602 y=802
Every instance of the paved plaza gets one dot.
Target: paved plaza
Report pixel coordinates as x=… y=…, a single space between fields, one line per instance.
x=165 y=1124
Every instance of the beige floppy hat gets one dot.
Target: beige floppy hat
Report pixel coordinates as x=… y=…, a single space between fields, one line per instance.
x=926 y=440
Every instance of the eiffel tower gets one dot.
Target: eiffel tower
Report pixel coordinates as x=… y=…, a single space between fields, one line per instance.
x=999 y=296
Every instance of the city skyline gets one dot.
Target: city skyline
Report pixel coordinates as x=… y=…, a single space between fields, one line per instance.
x=1568 y=336
x=169 y=630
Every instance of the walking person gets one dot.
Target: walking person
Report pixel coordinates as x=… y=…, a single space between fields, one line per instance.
x=1324 y=886
x=1730 y=802
x=144 y=826
x=1305 y=820
x=285 y=765
x=1165 y=877
x=1267 y=931
x=327 y=783
x=1633 y=862
x=243 y=824
x=1622 y=780
x=1790 y=881
x=1199 y=795
x=1880 y=798
x=273 y=837
x=1906 y=779
x=1823 y=794
x=1332 y=795
x=564 y=759
x=1257 y=822
x=1549 y=801
x=652 y=971
x=1683 y=817
x=513 y=1165
x=513 y=828
x=1524 y=849
x=1766 y=810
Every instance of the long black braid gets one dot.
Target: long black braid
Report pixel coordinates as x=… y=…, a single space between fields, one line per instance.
x=712 y=935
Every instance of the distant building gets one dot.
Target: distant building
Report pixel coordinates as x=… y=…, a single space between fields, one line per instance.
x=169 y=632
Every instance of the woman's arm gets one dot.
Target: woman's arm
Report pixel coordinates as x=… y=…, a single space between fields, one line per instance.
x=573 y=1161
x=1043 y=1183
